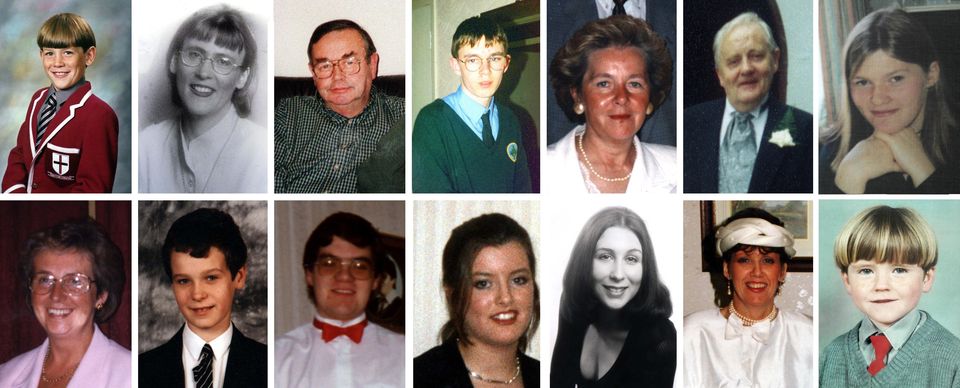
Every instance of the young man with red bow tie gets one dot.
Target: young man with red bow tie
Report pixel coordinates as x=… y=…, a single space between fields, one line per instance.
x=343 y=264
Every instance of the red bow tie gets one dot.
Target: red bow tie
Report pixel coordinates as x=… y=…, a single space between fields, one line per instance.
x=329 y=332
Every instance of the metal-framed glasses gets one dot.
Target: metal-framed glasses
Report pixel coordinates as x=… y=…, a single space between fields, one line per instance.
x=496 y=62
x=349 y=66
x=222 y=64
x=360 y=268
x=72 y=284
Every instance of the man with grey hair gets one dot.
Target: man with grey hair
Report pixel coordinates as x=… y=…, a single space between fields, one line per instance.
x=747 y=142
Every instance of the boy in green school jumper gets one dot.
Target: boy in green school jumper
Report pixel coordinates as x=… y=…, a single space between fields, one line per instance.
x=887 y=258
x=465 y=142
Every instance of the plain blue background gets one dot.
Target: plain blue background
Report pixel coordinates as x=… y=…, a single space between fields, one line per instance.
x=837 y=312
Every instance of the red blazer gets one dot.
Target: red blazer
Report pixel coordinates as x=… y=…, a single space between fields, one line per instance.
x=78 y=152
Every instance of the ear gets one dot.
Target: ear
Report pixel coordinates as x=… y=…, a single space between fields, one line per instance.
x=846 y=280
x=649 y=108
x=240 y=280
x=928 y=277
x=374 y=65
x=574 y=95
x=90 y=55
x=783 y=273
x=308 y=277
x=776 y=60
x=726 y=272
x=933 y=76
x=455 y=65
x=101 y=299
x=447 y=291
x=375 y=284
x=507 y=65
x=242 y=80
x=173 y=64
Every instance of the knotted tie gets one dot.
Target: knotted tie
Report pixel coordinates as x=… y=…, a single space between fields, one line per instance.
x=881 y=346
x=46 y=115
x=329 y=332
x=618 y=7
x=203 y=372
x=487 y=130
x=738 y=154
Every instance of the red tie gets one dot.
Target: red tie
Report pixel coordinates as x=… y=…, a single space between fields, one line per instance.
x=881 y=346
x=329 y=332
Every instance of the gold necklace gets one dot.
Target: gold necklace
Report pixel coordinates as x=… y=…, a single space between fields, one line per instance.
x=477 y=376
x=590 y=165
x=43 y=370
x=751 y=322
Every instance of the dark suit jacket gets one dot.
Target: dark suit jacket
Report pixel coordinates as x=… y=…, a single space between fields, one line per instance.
x=777 y=170
x=246 y=365
x=567 y=17
x=443 y=367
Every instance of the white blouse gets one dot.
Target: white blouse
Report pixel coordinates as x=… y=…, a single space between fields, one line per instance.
x=720 y=352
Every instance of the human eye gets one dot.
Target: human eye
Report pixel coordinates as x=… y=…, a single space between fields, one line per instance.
x=636 y=84
x=194 y=55
x=743 y=260
x=769 y=260
x=211 y=278
x=603 y=256
x=351 y=61
x=482 y=284
x=632 y=259
x=897 y=78
x=361 y=264
x=865 y=271
x=45 y=280
x=224 y=61
x=900 y=270
x=521 y=280
x=74 y=280
x=496 y=59
x=603 y=84
x=860 y=82
x=181 y=281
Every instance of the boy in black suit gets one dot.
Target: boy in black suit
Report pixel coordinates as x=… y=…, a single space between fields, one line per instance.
x=205 y=257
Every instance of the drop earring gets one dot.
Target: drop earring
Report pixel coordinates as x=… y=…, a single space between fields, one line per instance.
x=779 y=289
x=729 y=293
x=579 y=109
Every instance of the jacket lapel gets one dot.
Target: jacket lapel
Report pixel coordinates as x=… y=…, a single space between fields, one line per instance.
x=64 y=115
x=710 y=157
x=770 y=157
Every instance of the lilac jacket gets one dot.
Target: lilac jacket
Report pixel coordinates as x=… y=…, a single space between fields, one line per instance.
x=106 y=364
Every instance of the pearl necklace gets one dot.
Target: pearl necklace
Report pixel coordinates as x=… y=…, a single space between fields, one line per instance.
x=43 y=370
x=590 y=165
x=751 y=322
x=477 y=376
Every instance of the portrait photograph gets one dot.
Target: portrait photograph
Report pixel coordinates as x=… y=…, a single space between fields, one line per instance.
x=66 y=288
x=97 y=159
x=613 y=269
x=202 y=97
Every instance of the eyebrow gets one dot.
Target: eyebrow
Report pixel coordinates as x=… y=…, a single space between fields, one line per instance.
x=325 y=255
x=514 y=272
x=345 y=56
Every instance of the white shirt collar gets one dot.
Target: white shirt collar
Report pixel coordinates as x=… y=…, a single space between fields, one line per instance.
x=339 y=323
x=194 y=344
x=759 y=120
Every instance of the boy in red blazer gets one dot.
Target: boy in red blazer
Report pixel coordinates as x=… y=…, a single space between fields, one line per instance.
x=68 y=140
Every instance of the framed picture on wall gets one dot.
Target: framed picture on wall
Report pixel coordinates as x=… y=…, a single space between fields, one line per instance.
x=797 y=217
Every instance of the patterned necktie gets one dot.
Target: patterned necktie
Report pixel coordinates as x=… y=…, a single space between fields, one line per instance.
x=487 y=130
x=881 y=346
x=203 y=372
x=618 y=7
x=328 y=332
x=738 y=154
x=46 y=115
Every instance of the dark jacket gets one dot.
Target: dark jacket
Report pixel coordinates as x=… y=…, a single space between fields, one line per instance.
x=246 y=365
x=443 y=367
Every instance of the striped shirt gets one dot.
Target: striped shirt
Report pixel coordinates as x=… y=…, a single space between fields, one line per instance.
x=318 y=151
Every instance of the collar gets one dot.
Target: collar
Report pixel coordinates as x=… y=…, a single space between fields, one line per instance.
x=332 y=115
x=760 y=331
x=898 y=333
x=635 y=8
x=210 y=140
x=63 y=95
x=470 y=107
x=194 y=344
x=728 y=108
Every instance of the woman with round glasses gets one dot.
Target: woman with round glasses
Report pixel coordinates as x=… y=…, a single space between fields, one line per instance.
x=75 y=276
x=211 y=147
x=489 y=279
x=610 y=77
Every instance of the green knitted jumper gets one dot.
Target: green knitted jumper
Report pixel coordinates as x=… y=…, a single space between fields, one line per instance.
x=930 y=358
x=449 y=158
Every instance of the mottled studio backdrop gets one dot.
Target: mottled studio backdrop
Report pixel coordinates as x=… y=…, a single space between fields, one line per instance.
x=159 y=317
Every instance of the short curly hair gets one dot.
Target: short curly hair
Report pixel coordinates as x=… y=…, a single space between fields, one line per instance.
x=573 y=59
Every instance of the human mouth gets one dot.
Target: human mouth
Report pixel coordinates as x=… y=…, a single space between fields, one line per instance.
x=883 y=113
x=620 y=117
x=343 y=291
x=756 y=287
x=201 y=90
x=60 y=74
x=201 y=310
x=615 y=292
x=505 y=318
x=883 y=301
x=59 y=312
x=486 y=84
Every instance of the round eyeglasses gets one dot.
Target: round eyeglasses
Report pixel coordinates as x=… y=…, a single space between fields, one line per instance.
x=496 y=62
x=222 y=65
x=72 y=284
x=349 y=66
x=360 y=269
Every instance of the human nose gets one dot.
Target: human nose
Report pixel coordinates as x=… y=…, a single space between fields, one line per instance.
x=343 y=272
x=616 y=273
x=620 y=94
x=57 y=292
x=57 y=59
x=205 y=68
x=755 y=270
x=880 y=94
x=198 y=292
x=882 y=283
x=505 y=296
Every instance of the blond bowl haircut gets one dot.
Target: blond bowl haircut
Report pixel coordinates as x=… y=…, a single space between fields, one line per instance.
x=886 y=235
x=742 y=19
x=66 y=30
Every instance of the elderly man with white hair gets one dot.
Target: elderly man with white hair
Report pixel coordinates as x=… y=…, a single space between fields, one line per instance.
x=750 y=342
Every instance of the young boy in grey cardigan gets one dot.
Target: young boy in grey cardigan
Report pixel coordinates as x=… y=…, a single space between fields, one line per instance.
x=887 y=258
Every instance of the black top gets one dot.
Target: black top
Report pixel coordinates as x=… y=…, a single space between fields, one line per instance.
x=945 y=180
x=246 y=365
x=648 y=357
x=443 y=367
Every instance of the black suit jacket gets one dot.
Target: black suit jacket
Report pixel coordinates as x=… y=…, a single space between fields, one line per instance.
x=246 y=365
x=567 y=17
x=777 y=170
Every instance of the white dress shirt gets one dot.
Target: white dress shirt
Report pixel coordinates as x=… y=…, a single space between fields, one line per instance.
x=193 y=346
x=720 y=352
x=635 y=8
x=303 y=359
x=759 y=121
x=654 y=169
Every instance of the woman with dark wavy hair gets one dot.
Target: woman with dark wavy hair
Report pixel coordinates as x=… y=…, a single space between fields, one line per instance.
x=610 y=77
x=897 y=130
x=614 y=328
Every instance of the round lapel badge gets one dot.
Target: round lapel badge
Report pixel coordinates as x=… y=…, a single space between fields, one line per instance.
x=512 y=151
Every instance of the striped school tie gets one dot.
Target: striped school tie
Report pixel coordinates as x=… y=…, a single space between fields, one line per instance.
x=46 y=115
x=203 y=372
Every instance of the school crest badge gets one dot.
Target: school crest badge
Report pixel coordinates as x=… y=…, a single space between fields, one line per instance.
x=512 y=151
x=62 y=163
